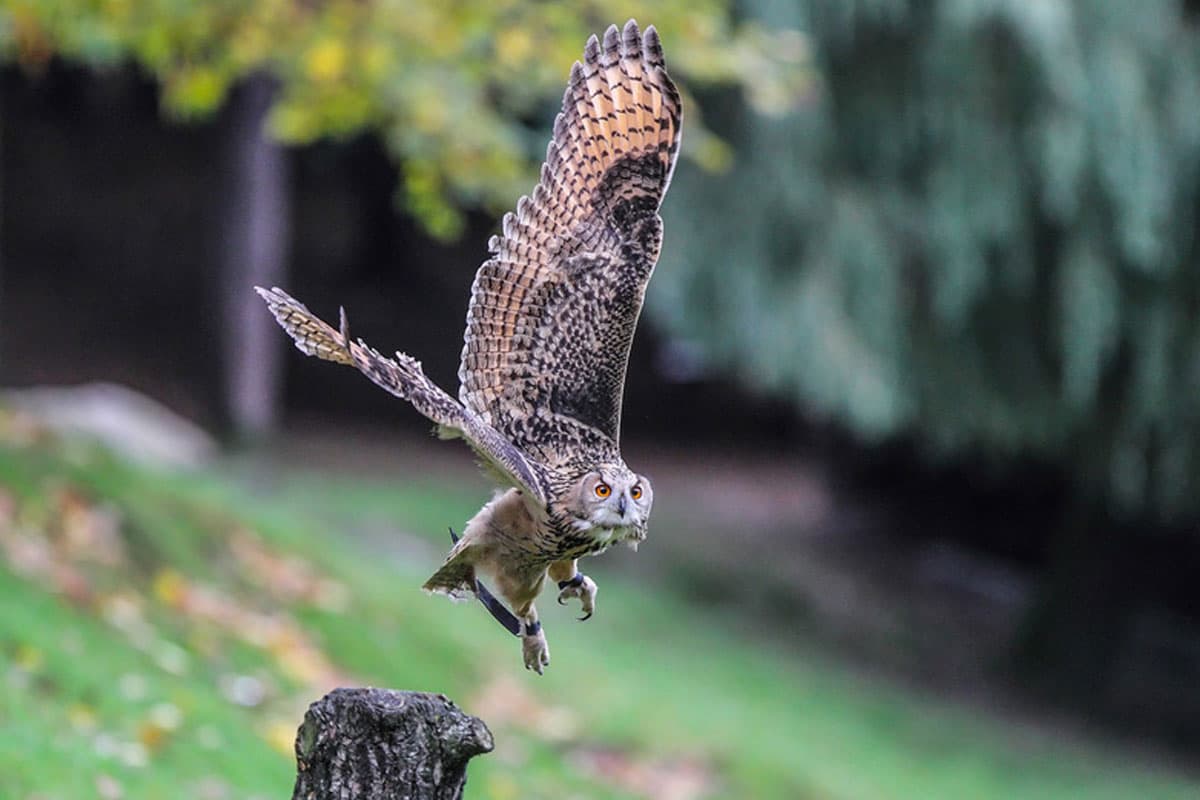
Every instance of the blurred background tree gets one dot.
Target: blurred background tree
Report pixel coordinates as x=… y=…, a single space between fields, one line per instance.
x=979 y=233
x=447 y=86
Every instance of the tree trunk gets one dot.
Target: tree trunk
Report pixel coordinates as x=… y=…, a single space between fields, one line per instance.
x=254 y=250
x=1074 y=631
x=377 y=744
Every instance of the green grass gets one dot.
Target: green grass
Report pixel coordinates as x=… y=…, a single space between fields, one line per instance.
x=111 y=667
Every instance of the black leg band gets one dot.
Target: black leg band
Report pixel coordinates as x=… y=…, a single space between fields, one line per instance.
x=533 y=628
x=574 y=583
x=501 y=614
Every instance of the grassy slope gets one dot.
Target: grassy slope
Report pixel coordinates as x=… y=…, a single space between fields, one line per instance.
x=121 y=669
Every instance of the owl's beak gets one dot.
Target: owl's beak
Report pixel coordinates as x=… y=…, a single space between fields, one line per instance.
x=621 y=506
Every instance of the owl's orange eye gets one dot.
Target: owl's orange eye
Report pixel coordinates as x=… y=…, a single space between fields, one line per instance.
x=603 y=490
x=636 y=492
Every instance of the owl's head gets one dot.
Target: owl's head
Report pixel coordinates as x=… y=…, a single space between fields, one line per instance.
x=612 y=497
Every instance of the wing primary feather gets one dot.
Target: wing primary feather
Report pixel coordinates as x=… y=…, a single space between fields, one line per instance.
x=631 y=41
x=631 y=67
x=612 y=40
x=591 y=50
x=653 y=47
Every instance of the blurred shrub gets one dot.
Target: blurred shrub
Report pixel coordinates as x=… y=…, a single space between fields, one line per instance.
x=980 y=228
x=445 y=84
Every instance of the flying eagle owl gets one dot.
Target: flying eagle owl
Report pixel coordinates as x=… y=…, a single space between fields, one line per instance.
x=549 y=327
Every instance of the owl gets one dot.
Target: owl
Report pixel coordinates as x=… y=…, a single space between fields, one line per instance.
x=549 y=327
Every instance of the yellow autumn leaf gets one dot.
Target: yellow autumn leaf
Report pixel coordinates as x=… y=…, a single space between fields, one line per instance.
x=170 y=587
x=152 y=737
x=194 y=90
x=326 y=60
x=514 y=46
x=291 y=121
x=158 y=726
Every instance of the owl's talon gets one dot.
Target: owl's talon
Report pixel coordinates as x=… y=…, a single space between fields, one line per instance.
x=584 y=588
x=534 y=649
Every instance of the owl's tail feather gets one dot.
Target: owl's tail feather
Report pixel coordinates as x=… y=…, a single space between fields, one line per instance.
x=457 y=579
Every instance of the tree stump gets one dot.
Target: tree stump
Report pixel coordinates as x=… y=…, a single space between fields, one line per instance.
x=380 y=744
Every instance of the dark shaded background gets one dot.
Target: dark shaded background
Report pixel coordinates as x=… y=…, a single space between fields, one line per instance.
x=111 y=223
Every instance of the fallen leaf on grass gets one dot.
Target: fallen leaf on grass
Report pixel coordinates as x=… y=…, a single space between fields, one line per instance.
x=28 y=547
x=505 y=701
x=170 y=587
x=158 y=726
x=679 y=778
x=86 y=531
x=151 y=737
x=286 y=578
x=108 y=787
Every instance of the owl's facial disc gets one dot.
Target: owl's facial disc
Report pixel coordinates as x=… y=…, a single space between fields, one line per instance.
x=616 y=499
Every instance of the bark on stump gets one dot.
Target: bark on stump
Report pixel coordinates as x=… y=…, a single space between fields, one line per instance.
x=380 y=744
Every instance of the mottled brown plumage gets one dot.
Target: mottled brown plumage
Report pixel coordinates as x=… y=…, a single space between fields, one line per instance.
x=549 y=328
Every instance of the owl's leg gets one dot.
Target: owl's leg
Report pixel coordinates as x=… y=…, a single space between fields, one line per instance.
x=574 y=583
x=533 y=641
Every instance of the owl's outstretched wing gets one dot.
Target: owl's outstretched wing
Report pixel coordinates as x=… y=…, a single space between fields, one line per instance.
x=553 y=312
x=403 y=377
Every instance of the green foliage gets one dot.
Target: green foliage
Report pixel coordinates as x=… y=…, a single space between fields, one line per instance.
x=979 y=228
x=445 y=84
x=133 y=605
